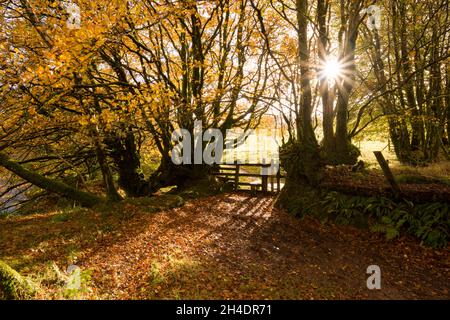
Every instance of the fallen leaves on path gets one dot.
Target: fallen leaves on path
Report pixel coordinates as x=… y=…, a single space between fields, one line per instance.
x=230 y=246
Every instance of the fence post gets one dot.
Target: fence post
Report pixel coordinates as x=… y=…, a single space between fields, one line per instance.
x=388 y=173
x=236 y=177
x=278 y=180
x=265 y=180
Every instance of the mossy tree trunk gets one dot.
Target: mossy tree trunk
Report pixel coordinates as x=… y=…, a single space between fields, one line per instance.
x=111 y=191
x=124 y=151
x=62 y=189
x=170 y=174
x=343 y=152
x=12 y=285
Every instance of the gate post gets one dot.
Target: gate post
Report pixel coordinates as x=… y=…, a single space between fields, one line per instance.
x=265 y=178
x=236 y=177
x=278 y=180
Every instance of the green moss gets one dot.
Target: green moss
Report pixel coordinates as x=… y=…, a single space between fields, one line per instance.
x=12 y=285
x=201 y=188
x=298 y=199
x=157 y=203
x=302 y=162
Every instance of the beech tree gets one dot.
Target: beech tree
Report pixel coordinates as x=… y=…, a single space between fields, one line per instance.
x=81 y=100
x=410 y=61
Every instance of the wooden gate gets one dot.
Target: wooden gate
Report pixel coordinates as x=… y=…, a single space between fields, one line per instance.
x=264 y=181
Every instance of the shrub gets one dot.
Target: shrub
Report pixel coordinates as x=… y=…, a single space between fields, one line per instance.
x=430 y=222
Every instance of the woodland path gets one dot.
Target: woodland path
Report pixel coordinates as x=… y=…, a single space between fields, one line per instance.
x=228 y=246
x=240 y=246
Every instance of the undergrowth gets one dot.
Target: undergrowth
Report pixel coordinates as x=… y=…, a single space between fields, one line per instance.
x=429 y=222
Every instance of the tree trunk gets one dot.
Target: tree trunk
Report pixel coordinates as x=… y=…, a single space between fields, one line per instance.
x=111 y=191
x=447 y=103
x=345 y=152
x=12 y=285
x=305 y=127
x=328 y=142
x=169 y=174
x=124 y=152
x=62 y=189
x=398 y=129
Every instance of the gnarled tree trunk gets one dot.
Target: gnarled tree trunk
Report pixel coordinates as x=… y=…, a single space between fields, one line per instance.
x=124 y=152
x=62 y=189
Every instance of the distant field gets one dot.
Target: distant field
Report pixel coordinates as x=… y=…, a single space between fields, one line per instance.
x=368 y=147
x=256 y=149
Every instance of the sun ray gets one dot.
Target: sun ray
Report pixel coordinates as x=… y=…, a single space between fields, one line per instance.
x=331 y=69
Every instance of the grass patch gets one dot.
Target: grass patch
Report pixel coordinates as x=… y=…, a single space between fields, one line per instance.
x=434 y=170
x=174 y=277
x=68 y=214
x=157 y=203
x=419 y=179
x=71 y=284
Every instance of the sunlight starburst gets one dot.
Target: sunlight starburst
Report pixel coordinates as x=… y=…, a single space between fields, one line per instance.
x=331 y=69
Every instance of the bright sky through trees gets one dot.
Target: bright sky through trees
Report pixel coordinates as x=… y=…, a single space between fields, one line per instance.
x=332 y=69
